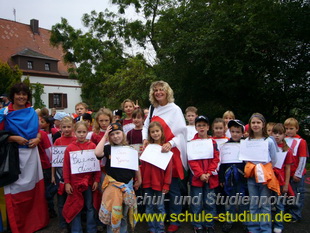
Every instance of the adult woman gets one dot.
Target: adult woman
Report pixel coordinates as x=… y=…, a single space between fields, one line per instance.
x=172 y=120
x=25 y=200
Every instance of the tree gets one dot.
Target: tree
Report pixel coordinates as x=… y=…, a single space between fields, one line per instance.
x=131 y=81
x=94 y=56
x=38 y=90
x=8 y=76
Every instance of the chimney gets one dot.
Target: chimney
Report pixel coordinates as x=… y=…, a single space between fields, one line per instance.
x=34 y=24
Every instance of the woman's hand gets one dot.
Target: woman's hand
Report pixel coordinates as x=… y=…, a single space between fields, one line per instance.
x=166 y=147
x=296 y=179
x=68 y=188
x=33 y=142
x=18 y=139
x=95 y=186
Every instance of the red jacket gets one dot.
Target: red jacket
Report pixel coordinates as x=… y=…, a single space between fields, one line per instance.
x=204 y=166
x=156 y=178
x=302 y=151
x=64 y=141
x=73 y=179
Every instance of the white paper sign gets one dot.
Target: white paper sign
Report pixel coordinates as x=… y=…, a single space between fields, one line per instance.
x=293 y=143
x=153 y=155
x=230 y=153
x=200 y=149
x=128 y=127
x=124 y=157
x=138 y=147
x=280 y=158
x=83 y=161
x=220 y=142
x=58 y=153
x=254 y=150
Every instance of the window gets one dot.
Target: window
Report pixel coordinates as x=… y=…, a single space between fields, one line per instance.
x=30 y=65
x=57 y=100
x=47 y=67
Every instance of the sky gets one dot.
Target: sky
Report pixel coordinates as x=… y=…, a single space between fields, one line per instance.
x=49 y=12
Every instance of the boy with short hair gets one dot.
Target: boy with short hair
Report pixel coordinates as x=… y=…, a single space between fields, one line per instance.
x=80 y=109
x=204 y=178
x=231 y=175
x=298 y=171
x=190 y=116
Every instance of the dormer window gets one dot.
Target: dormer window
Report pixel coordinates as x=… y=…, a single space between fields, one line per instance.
x=47 y=67
x=30 y=65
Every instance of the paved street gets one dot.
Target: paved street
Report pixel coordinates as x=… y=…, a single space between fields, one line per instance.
x=300 y=227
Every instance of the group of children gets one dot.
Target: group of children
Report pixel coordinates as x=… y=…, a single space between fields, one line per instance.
x=258 y=175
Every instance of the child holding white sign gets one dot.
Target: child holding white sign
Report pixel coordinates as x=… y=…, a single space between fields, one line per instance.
x=80 y=186
x=282 y=171
x=118 y=194
x=231 y=171
x=204 y=177
x=298 y=169
x=259 y=150
x=156 y=181
x=66 y=128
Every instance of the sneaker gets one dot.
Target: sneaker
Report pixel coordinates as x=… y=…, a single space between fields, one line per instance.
x=198 y=230
x=227 y=226
x=277 y=230
x=172 y=228
x=210 y=230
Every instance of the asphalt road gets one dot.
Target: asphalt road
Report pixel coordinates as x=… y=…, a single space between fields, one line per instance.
x=299 y=227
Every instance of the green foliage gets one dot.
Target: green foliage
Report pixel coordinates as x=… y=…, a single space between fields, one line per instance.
x=247 y=56
x=37 y=90
x=130 y=81
x=8 y=76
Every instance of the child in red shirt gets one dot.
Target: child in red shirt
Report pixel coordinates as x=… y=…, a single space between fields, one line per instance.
x=298 y=170
x=66 y=127
x=80 y=186
x=156 y=181
x=283 y=173
x=204 y=178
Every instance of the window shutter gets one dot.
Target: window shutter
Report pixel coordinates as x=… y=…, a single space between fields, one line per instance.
x=64 y=101
x=50 y=100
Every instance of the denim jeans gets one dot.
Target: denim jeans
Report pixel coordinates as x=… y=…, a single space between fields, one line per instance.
x=91 y=226
x=174 y=194
x=155 y=205
x=232 y=208
x=61 y=199
x=205 y=202
x=280 y=207
x=124 y=224
x=299 y=188
x=261 y=211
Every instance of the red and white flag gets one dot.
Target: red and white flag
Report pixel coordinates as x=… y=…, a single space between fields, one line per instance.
x=172 y=120
x=25 y=198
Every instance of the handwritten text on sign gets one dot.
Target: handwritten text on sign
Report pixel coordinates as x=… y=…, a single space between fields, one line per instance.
x=230 y=153
x=124 y=157
x=254 y=150
x=83 y=161
x=200 y=149
x=58 y=156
